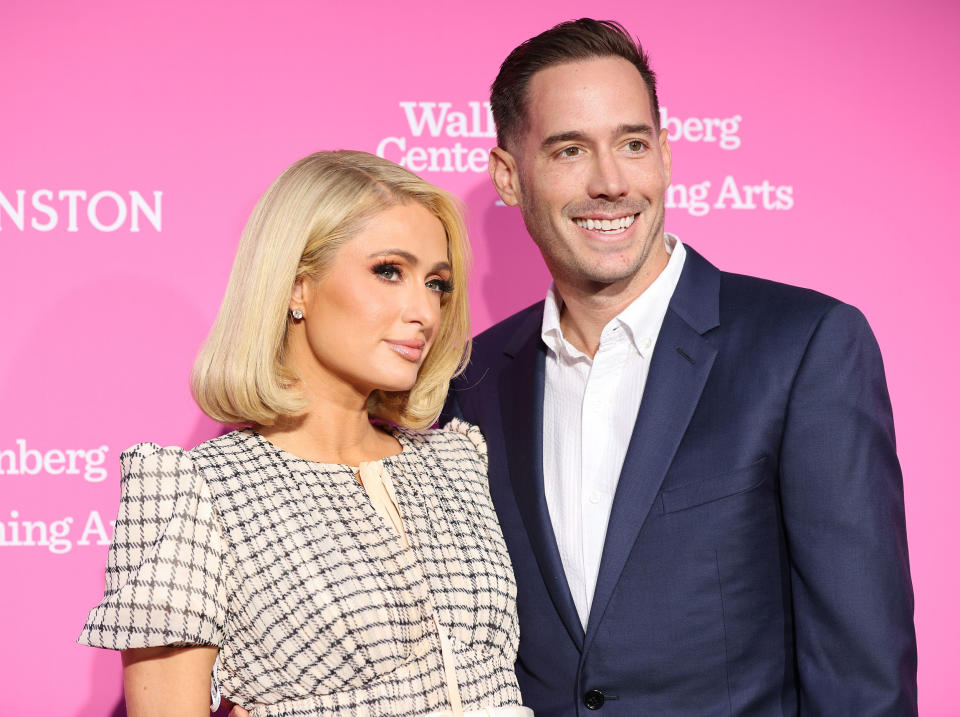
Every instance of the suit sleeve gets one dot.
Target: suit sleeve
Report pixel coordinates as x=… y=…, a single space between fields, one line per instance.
x=842 y=499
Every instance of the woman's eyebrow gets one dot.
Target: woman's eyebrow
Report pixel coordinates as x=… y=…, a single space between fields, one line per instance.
x=410 y=258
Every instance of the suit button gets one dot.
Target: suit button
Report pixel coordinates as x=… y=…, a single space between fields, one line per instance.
x=593 y=699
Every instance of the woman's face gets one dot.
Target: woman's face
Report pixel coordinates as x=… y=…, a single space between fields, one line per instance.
x=371 y=320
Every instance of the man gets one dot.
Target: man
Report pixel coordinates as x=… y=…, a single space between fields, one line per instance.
x=695 y=471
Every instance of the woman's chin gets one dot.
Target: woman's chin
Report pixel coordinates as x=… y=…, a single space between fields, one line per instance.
x=396 y=384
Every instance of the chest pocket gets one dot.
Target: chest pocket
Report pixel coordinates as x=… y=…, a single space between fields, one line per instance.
x=716 y=488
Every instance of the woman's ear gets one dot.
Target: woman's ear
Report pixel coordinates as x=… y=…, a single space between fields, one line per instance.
x=296 y=295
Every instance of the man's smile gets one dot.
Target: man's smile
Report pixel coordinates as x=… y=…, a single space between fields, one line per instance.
x=615 y=225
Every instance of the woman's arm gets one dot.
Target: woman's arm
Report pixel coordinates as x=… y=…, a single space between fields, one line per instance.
x=168 y=681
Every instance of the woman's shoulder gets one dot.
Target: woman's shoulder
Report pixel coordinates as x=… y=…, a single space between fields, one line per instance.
x=457 y=436
x=158 y=477
x=149 y=451
x=233 y=442
x=150 y=462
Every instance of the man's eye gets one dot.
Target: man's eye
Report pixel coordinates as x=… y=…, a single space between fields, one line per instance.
x=636 y=145
x=390 y=272
x=570 y=152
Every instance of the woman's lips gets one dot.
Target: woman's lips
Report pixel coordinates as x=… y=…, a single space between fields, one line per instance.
x=410 y=350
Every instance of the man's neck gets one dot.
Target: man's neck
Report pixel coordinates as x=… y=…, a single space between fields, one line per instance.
x=589 y=306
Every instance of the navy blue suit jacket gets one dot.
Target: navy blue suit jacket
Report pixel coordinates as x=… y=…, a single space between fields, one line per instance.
x=755 y=561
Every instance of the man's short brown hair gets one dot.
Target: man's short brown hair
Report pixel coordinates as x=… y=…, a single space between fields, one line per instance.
x=567 y=42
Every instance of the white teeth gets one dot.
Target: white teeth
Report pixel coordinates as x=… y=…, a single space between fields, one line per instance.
x=613 y=226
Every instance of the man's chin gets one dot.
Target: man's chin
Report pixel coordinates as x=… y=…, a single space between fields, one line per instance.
x=600 y=277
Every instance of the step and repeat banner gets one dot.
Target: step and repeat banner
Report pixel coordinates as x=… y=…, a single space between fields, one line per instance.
x=813 y=144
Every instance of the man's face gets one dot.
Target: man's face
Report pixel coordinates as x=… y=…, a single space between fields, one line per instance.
x=590 y=173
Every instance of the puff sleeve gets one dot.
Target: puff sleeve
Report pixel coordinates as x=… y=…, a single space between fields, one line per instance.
x=473 y=434
x=165 y=575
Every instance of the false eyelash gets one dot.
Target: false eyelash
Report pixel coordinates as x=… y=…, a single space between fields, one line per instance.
x=444 y=286
x=384 y=267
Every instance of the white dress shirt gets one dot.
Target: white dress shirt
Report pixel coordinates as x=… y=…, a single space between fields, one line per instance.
x=589 y=409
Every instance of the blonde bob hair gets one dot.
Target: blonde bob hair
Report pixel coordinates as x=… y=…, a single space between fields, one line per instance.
x=294 y=232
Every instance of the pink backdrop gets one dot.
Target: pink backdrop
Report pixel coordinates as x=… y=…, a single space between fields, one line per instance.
x=137 y=136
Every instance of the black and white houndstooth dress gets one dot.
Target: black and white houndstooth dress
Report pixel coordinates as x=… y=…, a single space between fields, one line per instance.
x=316 y=606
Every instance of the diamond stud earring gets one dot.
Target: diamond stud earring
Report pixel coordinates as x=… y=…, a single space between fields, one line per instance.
x=296 y=313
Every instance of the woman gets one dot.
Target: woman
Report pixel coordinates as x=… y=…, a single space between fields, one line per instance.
x=318 y=561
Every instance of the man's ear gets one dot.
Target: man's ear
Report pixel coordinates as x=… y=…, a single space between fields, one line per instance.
x=666 y=155
x=505 y=177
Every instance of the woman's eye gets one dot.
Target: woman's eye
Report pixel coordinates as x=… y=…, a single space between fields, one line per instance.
x=389 y=272
x=441 y=286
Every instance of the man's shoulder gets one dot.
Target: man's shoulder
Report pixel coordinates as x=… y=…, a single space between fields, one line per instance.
x=744 y=295
x=493 y=347
x=738 y=290
x=746 y=285
x=505 y=335
x=784 y=318
x=512 y=323
x=743 y=305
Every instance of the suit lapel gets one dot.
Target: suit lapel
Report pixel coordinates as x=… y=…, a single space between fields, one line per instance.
x=521 y=408
x=679 y=369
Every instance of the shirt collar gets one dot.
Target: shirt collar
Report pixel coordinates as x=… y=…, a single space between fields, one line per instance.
x=640 y=320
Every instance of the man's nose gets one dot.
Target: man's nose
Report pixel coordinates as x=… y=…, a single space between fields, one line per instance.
x=607 y=180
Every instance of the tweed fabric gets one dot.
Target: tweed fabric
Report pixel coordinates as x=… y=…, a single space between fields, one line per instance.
x=311 y=597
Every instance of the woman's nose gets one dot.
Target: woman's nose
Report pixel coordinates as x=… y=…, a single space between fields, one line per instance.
x=422 y=306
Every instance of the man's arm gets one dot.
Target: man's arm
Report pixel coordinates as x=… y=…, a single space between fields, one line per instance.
x=842 y=498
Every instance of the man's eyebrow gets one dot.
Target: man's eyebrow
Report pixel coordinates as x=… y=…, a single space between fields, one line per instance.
x=575 y=135
x=642 y=128
x=571 y=136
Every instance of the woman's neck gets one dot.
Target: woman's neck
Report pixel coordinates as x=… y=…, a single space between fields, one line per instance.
x=330 y=433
